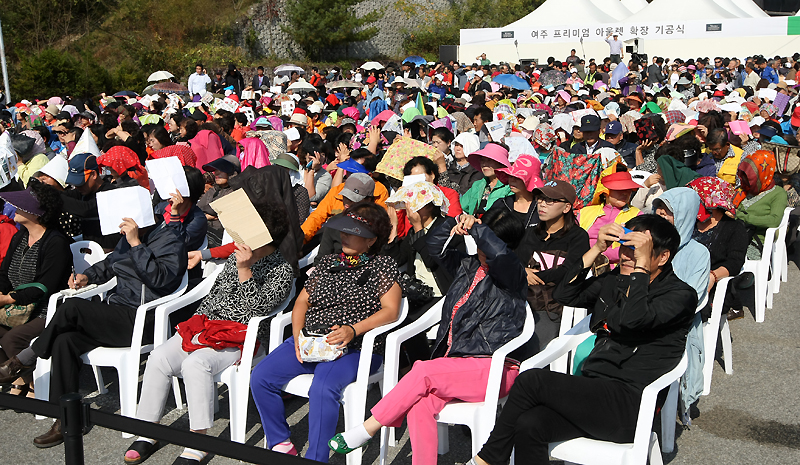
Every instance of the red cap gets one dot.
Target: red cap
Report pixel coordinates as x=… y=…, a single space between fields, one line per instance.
x=619 y=181
x=234 y=97
x=299 y=111
x=371 y=79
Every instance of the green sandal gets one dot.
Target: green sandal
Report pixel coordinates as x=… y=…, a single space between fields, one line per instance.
x=339 y=445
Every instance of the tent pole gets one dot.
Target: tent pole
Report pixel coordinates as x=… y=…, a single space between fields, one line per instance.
x=5 y=69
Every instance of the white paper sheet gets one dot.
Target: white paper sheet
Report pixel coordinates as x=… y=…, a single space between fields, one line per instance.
x=497 y=129
x=127 y=202
x=767 y=93
x=413 y=179
x=168 y=176
x=287 y=108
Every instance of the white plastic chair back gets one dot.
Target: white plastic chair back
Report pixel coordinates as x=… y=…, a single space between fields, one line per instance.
x=780 y=259
x=86 y=254
x=716 y=325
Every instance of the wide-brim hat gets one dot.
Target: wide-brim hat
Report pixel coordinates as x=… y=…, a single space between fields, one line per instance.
x=619 y=181
x=492 y=152
x=528 y=168
x=298 y=118
x=287 y=161
x=24 y=201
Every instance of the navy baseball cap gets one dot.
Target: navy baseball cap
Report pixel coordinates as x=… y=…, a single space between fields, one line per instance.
x=613 y=128
x=78 y=166
x=590 y=123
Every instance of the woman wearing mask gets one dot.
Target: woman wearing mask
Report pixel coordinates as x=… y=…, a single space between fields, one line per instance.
x=459 y=170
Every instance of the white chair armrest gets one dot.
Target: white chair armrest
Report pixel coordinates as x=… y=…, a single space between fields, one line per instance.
x=645 y=419
x=391 y=360
x=249 y=348
x=499 y=358
x=100 y=290
x=559 y=346
x=164 y=310
x=276 y=328
x=308 y=259
x=141 y=312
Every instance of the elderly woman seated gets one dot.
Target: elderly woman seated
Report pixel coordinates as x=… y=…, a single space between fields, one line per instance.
x=253 y=283
x=347 y=295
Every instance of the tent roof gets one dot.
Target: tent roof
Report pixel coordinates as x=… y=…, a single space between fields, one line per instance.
x=749 y=7
x=564 y=13
x=683 y=10
x=613 y=8
x=732 y=8
x=635 y=5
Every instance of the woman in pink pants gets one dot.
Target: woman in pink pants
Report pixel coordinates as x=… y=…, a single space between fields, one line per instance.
x=483 y=309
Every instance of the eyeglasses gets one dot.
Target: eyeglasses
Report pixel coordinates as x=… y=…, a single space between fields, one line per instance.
x=61 y=133
x=548 y=201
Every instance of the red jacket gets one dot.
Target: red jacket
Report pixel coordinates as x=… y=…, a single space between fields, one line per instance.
x=216 y=334
x=7 y=230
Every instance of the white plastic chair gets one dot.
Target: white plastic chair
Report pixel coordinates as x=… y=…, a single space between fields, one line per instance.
x=645 y=441
x=715 y=326
x=84 y=255
x=354 y=397
x=308 y=260
x=237 y=376
x=478 y=416
x=760 y=270
x=780 y=259
x=570 y=316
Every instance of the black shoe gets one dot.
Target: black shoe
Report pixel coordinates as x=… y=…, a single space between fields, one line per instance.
x=12 y=369
x=143 y=448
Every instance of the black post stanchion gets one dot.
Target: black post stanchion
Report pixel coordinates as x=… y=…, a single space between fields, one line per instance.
x=72 y=428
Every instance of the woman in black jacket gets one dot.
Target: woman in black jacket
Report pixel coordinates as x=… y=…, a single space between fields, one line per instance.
x=483 y=309
x=548 y=250
x=641 y=313
x=522 y=178
x=38 y=253
x=725 y=238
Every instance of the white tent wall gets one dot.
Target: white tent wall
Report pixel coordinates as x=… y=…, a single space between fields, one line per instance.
x=634 y=5
x=564 y=13
x=732 y=8
x=678 y=48
x=613 y=8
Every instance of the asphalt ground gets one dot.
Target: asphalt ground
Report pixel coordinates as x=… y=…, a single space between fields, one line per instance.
x=751 y=416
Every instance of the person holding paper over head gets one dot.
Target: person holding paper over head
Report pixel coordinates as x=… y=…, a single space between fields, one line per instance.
x=347 y=295
x=255 y=280
x=148 y=262
x=84 y=175
x=181 y=211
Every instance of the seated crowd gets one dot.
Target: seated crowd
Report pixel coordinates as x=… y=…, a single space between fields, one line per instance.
x=612 y=200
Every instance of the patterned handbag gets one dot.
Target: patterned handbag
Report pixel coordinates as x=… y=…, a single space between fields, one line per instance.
x=15 y=315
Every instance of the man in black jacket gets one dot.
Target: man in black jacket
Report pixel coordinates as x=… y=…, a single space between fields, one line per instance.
x=590 y=127
x=654 y=74
x=152 y=261
x=641 y=313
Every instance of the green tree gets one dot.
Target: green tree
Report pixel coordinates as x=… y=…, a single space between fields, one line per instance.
x=441 y=27
x=53 y=72
x=320 y=25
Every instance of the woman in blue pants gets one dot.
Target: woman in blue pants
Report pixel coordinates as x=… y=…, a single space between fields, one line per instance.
x=350 y=293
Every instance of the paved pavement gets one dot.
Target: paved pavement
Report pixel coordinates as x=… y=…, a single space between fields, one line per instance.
x=751 y=416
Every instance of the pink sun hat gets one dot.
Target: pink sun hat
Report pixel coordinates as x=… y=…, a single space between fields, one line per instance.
x=528 y=168
x=492 y=152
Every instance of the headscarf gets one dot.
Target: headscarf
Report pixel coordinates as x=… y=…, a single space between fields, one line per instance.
x=470 y=142
x=417 y=195
x=770 y=108
x=544 y=136
x=675 y=173
x=207 y=146
x=376 y=107
x=757 y=172
x=184 y=153
x=123 y=160
x=255 y=153
x=678 y=129
x=463 y=123
x=714 y=193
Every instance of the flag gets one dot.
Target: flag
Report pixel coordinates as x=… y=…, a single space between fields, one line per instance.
x=420 y=104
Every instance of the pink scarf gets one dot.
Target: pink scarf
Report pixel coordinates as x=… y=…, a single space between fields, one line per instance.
x=255 y=153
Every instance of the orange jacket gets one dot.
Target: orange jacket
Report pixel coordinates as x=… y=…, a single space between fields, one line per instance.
x=332 y=205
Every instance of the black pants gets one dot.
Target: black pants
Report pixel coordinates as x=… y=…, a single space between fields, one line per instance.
x=77 y=327
x=545 y=407
x=615 y=59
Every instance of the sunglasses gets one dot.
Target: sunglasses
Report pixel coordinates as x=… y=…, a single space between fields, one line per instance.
x=61 y=133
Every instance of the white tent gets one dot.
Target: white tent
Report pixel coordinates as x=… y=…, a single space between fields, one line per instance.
x=731 y=7
x=635 y=5
x=564 y=13
x=613 y=8
x=749 y=7
x=683 y=10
